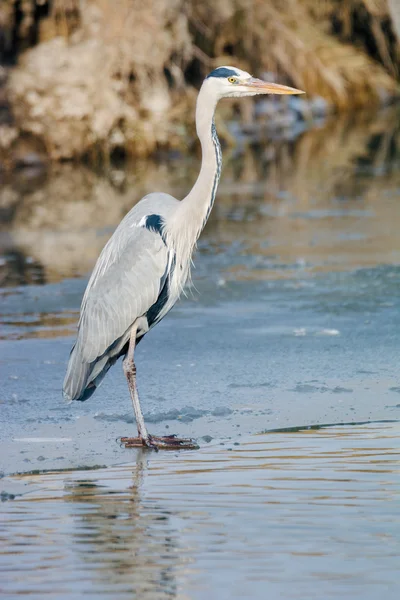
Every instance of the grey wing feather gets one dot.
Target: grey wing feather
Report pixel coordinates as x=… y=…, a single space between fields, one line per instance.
x=123 y=291
x=125 y=283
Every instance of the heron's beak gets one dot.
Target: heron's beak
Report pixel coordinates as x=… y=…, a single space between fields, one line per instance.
x=265 y=87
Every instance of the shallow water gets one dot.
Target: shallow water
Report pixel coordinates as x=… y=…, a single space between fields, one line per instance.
x=292 y=321
x=306 y=514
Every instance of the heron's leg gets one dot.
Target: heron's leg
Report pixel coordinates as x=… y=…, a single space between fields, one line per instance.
x=168 y=442
x=130 y=374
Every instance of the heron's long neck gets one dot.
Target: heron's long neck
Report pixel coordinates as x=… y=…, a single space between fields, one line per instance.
x=195 y=209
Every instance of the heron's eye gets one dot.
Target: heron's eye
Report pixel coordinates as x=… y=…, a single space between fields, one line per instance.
x=232 y=79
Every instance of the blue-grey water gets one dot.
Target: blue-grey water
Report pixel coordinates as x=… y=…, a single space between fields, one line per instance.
x=309 y=514
x=282 y=362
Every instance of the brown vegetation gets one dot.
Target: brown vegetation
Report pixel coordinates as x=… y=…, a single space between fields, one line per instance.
x=118 y=76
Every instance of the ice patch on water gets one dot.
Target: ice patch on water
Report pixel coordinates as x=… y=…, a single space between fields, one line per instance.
x=328 y=332
x=252 y=385
x=300 y=331
x=40 y=440
x=187 y=414
x=306 y=388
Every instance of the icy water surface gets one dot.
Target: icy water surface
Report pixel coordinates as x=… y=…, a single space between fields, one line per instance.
x=292 y=515
x=292 y=322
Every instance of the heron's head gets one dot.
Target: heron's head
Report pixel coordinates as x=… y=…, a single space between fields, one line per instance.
x=231 y=82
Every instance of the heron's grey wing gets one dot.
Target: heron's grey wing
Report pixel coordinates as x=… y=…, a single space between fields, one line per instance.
x=125 y=283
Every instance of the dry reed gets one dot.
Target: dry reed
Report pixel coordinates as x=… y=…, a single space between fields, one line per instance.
x=114 y=76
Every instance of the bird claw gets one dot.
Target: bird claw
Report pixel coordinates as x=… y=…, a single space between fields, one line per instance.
x=167 y=442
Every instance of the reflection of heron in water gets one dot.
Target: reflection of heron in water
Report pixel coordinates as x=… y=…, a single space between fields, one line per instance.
x=125 y=543
x=144 y=266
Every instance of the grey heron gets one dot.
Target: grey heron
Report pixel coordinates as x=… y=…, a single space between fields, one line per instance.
x=143 y=268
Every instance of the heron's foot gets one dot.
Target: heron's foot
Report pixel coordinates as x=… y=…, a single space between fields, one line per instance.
x=167 y=442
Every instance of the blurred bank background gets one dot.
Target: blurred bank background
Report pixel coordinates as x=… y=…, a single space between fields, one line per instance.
x=97 y=109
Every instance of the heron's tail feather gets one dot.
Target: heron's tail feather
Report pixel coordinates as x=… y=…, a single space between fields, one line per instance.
x=77 y=376
x=82 y=378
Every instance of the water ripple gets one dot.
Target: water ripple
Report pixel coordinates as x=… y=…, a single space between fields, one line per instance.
x=319 y=507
